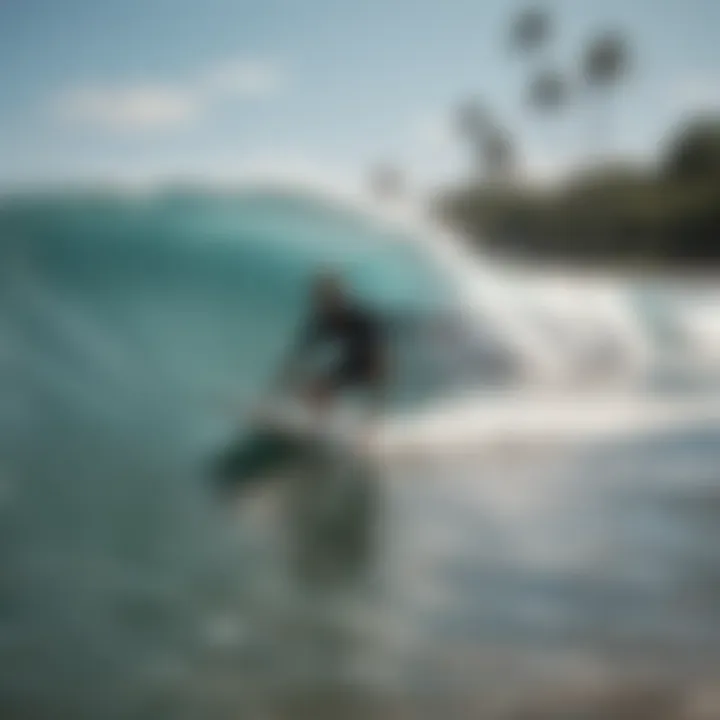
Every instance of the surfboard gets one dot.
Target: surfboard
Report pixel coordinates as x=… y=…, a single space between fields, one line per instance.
x=253 y=457
x=281 y=437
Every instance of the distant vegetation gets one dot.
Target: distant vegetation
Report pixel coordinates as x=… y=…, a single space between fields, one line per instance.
x=665 y=214
x=669 y=215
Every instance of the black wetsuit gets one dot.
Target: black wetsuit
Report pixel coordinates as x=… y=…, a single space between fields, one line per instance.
x=359 y=340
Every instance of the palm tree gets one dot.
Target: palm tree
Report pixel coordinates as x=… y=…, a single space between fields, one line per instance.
x=531 y=33
x=605 y=63
x=491 y=146
x=694 y=153
x=473 y=126
x=547 y=92
x=473 y=121
x=531 y=30
x=606 y=59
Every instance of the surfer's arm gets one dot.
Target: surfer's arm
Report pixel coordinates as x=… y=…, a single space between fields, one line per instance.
x=298 y=351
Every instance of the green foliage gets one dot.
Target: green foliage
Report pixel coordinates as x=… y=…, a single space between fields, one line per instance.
x=610 y=213
x=695 y=153
x=531 y=29
x=548 y=91
x=606 y=59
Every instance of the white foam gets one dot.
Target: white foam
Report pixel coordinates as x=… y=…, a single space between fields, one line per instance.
x=476 y=422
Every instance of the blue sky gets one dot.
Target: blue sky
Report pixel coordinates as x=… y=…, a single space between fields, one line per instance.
x=136 y=89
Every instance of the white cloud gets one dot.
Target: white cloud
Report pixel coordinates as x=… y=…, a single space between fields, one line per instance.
x=160 y=106
x=247 y=78
x=129 y=108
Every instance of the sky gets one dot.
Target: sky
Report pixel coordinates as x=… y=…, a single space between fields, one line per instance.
x=137 y=90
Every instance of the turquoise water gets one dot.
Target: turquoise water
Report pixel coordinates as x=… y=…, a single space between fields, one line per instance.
x=137 y=332
x=204 y=291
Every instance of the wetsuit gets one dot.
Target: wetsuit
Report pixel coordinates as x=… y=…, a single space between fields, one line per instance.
x=357 y=338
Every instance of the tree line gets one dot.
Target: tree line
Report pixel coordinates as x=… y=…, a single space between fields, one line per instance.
x=669 y=215
x=607 y=210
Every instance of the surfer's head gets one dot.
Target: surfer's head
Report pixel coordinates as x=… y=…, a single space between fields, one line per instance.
x=328 y=291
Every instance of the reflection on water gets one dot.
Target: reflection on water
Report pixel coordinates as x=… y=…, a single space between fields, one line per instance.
x=523 y=577
x=511 y=578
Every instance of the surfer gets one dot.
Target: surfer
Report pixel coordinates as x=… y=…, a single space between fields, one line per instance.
x=352 y=345
x=354 y=336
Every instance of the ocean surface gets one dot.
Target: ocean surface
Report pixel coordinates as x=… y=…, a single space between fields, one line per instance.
x=542 y=537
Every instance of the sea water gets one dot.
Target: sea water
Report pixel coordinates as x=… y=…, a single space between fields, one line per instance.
x=488 y=577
